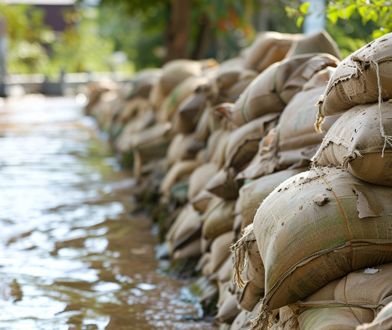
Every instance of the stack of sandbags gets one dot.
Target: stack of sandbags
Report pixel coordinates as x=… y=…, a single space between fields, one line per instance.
x=323 y=224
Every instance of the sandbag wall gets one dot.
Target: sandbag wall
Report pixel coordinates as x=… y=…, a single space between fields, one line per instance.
x=229 y=146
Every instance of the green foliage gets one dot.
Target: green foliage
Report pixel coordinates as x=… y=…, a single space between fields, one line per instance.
x=35 y=48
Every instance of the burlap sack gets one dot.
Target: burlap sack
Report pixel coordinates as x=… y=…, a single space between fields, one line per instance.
x=356 y=142
x=383 y=320
x=183 y=147
x=186 y=227
x=199 y=179
x=228 y=309
x=201 y=200
x=220 y=250
x=244 y=320
x=273 y=88
x=190 y=110
x=268 y=48
x=177 y=172
x=252 y=194
x=296 y=124
x=143 y=82
x=224 y=185
x=318 y=226
x=175 y=72
x=219 y=220
x=131 y=109
x=177 y=95
x=225 y=272
x=317 y=42
x=190 y=250
x=158 y=132
x=217 y=150
x=363 y=77
x=243 y=142
x=141 y=122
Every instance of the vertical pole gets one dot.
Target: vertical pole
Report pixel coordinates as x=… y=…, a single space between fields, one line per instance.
x=315 y=20
x=3 y=56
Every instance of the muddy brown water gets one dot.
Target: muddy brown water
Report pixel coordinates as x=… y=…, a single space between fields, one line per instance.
x=72 y=256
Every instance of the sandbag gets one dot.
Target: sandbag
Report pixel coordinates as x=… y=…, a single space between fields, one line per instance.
x=177 y=172
x=220 y=250
x=318 y=226
x=175 y=72
x=200 y=177
x=183 y=147
x=223 y=184
x=252 y=194
x=219 y=220
x=142 y=121
x=190 y=250
x=154 y=133
x=243 y=142
x=317 y=42
x=201 y=200
x=356 y=142
x=268 y=48
x=190 y=110
x=217 y=150
x=186 y=227
x=296 y=124
x=343 y=303
x=228 y=310
x=383 y=320
x=177 y=95
x=244 y=320
x=363 y=77
x=143 y=83
x=274 y=88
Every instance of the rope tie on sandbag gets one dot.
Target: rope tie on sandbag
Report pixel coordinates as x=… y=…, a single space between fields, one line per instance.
x=240 y=256
x=262 y=321
x=387 y=138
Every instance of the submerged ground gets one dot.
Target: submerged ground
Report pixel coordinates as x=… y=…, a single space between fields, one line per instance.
x=72 y=256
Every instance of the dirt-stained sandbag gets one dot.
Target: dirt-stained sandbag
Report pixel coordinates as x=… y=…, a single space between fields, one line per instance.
x=252 y=194
x=344 y=303
x=318 y=226
x=268 y=48
x=243 y=142
x=317 y=42
x=383 y=320
x=356 y=142
x=296 y=124
x=219 y=220
x=274 y=88
x=363 y=77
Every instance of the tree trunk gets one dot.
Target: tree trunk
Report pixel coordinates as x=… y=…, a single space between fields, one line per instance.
x=179 y=29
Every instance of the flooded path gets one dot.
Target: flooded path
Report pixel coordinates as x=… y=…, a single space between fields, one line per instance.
x=71 y=255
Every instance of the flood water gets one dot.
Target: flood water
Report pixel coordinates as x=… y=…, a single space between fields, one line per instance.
x=72 y=256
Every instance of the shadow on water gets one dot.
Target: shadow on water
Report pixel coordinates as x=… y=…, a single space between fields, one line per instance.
x=72 y=256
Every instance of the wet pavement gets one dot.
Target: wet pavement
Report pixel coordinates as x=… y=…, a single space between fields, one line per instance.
x=72 y=256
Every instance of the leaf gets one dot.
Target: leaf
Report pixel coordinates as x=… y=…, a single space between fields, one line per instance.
x=304 y=7
x=332 y=15
x=299 y=21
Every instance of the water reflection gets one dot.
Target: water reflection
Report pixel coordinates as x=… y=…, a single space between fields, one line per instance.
x=71 y=255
